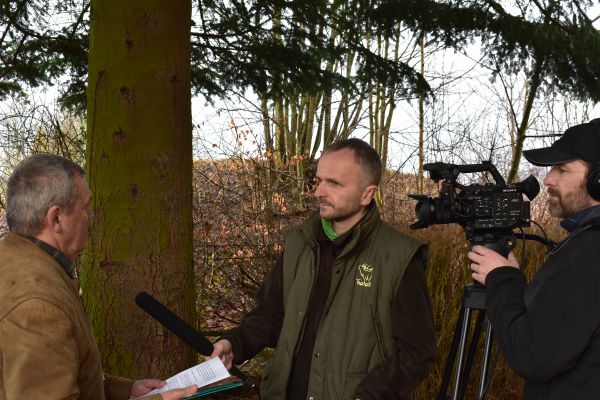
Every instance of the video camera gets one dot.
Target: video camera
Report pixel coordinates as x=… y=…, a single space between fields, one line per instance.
x=488 y=213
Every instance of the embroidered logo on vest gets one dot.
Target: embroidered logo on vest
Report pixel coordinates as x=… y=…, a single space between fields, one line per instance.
x=364 y=275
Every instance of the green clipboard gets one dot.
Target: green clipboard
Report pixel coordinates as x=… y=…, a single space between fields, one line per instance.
x=215 y=389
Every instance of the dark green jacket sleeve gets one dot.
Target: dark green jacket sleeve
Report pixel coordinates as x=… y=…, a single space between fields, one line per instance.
x=415 y=350
x=260 y=328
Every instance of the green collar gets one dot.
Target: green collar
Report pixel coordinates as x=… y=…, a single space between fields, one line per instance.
x=328 y=229
x=330 y=233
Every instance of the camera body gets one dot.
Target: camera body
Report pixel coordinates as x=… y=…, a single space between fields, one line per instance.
x=488 y=212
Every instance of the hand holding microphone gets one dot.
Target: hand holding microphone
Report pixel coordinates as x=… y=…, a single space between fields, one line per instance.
x=224 y=351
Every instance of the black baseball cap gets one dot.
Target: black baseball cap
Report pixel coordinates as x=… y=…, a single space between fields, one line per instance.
x=578 y=142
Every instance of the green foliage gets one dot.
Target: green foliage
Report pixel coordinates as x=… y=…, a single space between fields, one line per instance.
x=281 y=48
x=277 y=47
x=40 y=41
x=558 y=34
x=236 y=45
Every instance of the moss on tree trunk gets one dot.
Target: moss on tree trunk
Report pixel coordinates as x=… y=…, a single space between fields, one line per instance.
x=139 y=163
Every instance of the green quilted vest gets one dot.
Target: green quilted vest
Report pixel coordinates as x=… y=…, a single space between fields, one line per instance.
x=355 y=331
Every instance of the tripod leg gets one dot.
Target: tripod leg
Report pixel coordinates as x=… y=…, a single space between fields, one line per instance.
x=443 y=392
x=472 y=352
x=459 y=373
x=485 y=362
x=473 y=299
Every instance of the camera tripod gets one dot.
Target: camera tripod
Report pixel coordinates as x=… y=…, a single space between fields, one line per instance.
x=473 y=299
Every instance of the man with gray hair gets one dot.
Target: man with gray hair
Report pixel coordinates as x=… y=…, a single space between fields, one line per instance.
x=47 y=347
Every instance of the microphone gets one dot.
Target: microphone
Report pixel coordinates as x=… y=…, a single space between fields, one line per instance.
x=180 y=328
x=174 y=323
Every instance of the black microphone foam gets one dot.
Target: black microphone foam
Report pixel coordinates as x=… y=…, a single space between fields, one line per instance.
x=181 y=329
x=172 y=322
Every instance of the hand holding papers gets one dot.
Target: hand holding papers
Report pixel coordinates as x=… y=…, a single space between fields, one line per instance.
x=201 y=375
x=197 y=341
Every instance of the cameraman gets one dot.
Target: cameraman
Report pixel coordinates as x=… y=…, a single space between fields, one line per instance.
x=549 y=330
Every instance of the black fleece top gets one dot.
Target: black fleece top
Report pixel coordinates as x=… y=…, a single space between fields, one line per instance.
x=549 y=331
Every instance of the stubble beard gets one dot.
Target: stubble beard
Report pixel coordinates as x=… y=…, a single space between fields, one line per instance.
x=569 y=203
x=339 y=214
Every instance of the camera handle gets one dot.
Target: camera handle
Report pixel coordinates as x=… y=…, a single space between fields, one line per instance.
x=501 y=242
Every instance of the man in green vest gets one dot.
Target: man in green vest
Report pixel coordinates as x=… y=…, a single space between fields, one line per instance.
x=47 y=346
x=346 y=306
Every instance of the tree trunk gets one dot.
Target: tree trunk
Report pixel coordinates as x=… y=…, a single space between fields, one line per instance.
x=139 y=163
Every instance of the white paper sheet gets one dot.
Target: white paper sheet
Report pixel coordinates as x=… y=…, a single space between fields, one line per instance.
x=202 y=374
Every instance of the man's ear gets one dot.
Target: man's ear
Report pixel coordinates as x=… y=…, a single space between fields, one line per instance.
x=53 y=219
x=368 y=194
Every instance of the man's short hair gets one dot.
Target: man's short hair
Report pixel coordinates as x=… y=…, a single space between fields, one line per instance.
x=37 y=183
x=364 y=154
